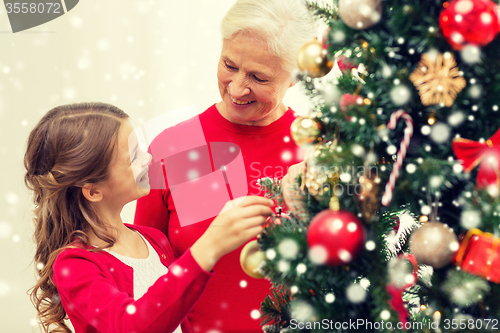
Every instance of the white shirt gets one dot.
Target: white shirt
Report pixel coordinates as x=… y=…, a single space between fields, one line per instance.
x=146 y=271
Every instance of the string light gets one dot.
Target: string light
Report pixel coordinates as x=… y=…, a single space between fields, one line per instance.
x=423 y=218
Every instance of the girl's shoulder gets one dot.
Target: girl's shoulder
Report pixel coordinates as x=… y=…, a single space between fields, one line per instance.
x=78 y=257
x=78 y=250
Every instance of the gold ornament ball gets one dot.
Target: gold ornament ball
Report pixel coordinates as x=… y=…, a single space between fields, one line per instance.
x=360 y=14
x=434 y=244
x=312 y=58
x=305 y=131
x=250 y=258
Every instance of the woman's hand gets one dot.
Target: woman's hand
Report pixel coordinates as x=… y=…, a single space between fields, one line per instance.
x=240 y=220
x=292 y=194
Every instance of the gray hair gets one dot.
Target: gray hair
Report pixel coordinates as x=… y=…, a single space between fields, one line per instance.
x=282 y=25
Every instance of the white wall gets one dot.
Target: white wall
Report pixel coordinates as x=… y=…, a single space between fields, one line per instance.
x=146 y=57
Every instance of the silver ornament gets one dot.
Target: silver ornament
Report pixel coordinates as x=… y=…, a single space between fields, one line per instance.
x=434 y=244
x=360 y=14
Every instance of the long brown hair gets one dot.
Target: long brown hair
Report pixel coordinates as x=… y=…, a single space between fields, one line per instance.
x=72 y=145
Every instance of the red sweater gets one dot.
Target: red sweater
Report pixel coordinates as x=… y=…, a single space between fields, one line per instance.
x=96 y=290
x=231 y=297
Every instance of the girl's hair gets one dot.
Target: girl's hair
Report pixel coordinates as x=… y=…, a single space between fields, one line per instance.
x=72 y=145
x=282 y=25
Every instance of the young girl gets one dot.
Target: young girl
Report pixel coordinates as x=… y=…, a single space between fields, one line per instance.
x=107 y=276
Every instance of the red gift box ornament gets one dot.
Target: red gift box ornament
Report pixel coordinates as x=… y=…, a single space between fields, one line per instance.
x=486 y=154
x=479 y=254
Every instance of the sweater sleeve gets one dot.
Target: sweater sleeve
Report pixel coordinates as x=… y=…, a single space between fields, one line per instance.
x=87 y=290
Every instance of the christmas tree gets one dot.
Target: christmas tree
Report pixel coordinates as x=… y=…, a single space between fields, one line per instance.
x=393 y=225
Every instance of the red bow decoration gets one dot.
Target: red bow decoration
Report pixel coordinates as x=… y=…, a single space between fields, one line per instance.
x=396 y=302
x=347 y=100
x=487 y=154
x=344 y=64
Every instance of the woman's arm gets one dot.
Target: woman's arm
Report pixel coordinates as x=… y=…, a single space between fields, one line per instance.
x=88 y=290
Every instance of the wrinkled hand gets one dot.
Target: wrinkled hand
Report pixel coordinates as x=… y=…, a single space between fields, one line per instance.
x=294 y=195
x=290 y=186
x=239 y=221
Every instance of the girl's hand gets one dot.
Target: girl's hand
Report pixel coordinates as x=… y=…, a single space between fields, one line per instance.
x=240 y=220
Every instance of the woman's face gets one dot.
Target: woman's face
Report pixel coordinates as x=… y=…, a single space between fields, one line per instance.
x=252 y=82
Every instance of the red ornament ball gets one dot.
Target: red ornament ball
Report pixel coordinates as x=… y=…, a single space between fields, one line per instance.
x=469 y=22
x=335 y=238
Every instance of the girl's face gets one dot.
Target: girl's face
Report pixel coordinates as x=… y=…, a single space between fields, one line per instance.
x=128 y=170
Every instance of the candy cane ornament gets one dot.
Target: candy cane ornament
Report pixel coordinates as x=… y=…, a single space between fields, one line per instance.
x=389 y=187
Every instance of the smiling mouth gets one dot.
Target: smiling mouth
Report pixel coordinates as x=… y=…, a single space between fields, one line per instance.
x=240 y=102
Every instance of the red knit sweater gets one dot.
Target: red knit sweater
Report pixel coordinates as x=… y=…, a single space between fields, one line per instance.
x=97 y=291
x=232 y=299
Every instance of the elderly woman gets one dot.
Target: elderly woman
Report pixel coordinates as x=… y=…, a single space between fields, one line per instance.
x=261 y=39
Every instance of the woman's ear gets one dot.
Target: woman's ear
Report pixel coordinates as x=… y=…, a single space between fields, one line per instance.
x=92 y=193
